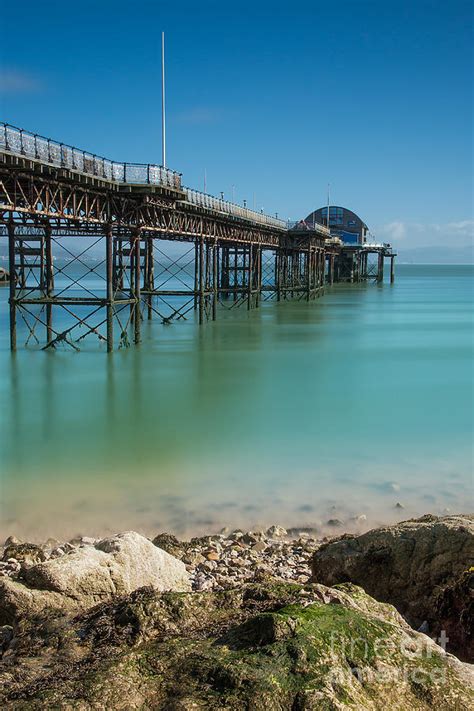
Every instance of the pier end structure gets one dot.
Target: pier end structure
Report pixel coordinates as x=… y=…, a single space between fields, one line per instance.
x=361 y=257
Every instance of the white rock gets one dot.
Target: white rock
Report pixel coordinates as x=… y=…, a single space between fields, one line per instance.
x=114 y=566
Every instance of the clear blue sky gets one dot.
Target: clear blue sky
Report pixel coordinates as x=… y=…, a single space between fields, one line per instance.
x=374 y=97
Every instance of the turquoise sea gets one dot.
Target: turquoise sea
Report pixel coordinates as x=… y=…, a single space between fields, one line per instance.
x=294 y=413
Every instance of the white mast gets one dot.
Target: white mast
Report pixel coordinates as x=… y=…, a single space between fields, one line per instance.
x=163 y=107
x=328 y=208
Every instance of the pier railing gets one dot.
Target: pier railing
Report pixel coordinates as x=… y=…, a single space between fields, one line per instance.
x=30 y=145
x=23 y=143
x=230 y=208
x=301 y=225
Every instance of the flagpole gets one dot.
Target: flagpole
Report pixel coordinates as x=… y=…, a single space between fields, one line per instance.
x=328 y=208
x=163 y=106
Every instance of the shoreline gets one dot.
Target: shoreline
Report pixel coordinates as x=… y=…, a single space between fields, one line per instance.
x=176 y=517
x=214 y=560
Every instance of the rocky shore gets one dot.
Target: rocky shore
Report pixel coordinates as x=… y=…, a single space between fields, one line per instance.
x=268 y=619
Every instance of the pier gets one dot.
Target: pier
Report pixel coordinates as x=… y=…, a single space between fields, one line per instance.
x=144 y=247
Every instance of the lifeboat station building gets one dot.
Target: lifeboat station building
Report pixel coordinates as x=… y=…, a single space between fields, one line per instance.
x=343 y=223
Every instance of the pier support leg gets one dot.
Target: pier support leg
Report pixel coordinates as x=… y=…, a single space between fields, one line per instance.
x=251 y=258
x=109 y=266
x=225 y=275
x=149 y=278
x=48 y=281
x=258 y=277
x=137 y=287
x=201 y=281
x=236 y=273
x=309 y=256
x=196 y=274
x=278 y=274
x=392 y=270
x=380 y=266
x=320 y=281
x=215 y=279
x=12 y=268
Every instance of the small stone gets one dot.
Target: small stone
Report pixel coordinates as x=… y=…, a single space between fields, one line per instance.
x=276 y=532
x=193 y=558
x=238 y=562
x=208 y=565
x=212 y=555
x=88 y=541
x=51 y=543
x=11 y=541
x=201 y=541
x=334 y=523
x=57 y=552
x=259 y=547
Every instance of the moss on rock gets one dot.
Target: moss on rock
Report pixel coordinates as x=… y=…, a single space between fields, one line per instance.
x=264 y=647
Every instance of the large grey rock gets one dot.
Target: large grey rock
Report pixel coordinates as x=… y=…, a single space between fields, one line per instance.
x=406 y=564
x=272 y=647
x=93 y=574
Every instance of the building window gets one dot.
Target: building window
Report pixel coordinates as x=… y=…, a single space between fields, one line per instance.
x=335 y=215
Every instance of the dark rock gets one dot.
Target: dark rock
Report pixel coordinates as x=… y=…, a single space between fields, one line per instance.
x=454 y=613
x=6 y=636
x=406 y=564
x=170 y=544
x=334 y=523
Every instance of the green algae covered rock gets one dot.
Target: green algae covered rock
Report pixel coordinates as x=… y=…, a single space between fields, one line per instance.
x=262 y=647
x=409 y=565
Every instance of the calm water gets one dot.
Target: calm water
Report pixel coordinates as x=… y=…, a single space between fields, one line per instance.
x=293 y=413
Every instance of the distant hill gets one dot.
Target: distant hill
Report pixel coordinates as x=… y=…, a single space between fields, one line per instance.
x=463 y=254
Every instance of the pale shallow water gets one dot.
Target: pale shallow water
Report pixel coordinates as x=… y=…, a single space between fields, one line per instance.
x=292 y=414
